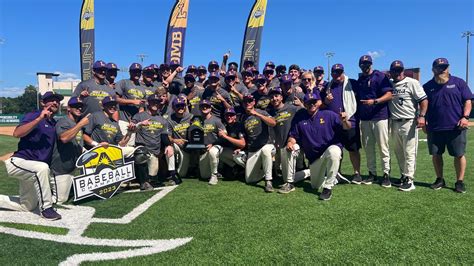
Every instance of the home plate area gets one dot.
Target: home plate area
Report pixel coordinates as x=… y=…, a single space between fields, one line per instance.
x=76 y=220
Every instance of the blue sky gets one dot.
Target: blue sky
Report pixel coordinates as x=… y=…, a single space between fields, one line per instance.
x=42 y=36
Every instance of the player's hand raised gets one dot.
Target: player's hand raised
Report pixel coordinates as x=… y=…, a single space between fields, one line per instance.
x=84 y=121
x=85 y=92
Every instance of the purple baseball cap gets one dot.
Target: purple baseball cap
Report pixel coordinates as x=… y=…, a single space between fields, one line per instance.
x=309 y=97
x=75 y=101
x=174 y=65
x=261 y=77
x=214 y=75
x=286 y=79
x=205 y=102
x=148 y=70
x=276 y=90
x=337 y=67
x=248 y=62
x=99 y=64
x=397 y=64
x=254 y=71
x=189 y=77
x=135 y=66
x=153 y=97
x=111 y=66
x=191 y=68
x=229 y=74
x=213 y=63
x=178 y=101
x=268 y=69
x=365 y=58
x=247 y=72
x=164 y=67
x=248 y=97
x=51 y=95
x=154 y=66
x=230 y=111
x=270 y=64
x=202 y=68
x=318 y=69
x=108 y=99
x=440 y=62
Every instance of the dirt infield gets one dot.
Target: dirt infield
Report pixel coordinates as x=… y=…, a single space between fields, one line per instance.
x=7 y=130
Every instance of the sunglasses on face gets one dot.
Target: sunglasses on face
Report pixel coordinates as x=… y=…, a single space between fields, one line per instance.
x=230 y=78
x=311 y=103
x=306 y=79
x=77 y=106
x=337 y=72
x=205 y=107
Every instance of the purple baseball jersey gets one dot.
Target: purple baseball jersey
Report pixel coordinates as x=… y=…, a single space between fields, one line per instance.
x=316 y=133
x=337 y=104
x=369 y=87
x=39 y=143
x=445 y=103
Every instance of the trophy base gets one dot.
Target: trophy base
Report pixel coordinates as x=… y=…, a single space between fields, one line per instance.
x=195 y=146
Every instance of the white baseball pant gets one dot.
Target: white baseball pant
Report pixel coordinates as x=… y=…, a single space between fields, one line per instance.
x=259 y=164
x=209 y=161
x=124 y=129
x=324 y=170
x=405 y=138
x=154 y=165
x=183 y=159
x=376 y=132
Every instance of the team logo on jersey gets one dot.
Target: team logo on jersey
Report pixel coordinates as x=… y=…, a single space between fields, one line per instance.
x=321 y=121
x=104 y=170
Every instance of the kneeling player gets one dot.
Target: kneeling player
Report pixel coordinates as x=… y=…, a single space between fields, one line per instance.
x=233 y=140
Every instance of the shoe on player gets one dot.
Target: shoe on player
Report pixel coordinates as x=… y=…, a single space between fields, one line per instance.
x=356 y=179
x=146 y=186
x=50 y=214
x=286 y=188
x=326 y=194
x=459 y=187
x=341 y=179
x=386 y=181
x=370 y=179
x=214 y=179
x=268 y=186
x=438 y=184
x=406 y=185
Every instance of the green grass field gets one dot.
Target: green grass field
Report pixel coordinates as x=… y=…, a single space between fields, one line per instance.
x=234 y=223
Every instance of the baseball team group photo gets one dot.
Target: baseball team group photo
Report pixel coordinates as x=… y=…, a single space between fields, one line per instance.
x=310 y=146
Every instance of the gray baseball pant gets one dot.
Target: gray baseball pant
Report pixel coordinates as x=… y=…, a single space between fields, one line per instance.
x=376 y=132
x=405 y=138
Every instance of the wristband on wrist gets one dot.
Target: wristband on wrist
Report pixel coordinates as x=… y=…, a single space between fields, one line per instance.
x=466 y=116
x=94 y=143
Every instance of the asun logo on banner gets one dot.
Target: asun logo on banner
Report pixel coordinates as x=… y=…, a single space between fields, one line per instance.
x=103 y=171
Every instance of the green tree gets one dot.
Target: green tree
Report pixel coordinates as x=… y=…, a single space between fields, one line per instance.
x=22 y=104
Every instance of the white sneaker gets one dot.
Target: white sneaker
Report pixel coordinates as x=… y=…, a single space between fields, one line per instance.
x=213 y=181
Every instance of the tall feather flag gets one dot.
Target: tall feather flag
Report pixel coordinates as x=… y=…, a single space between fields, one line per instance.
x=86 y=38
x=175 y=36
x=253 y=33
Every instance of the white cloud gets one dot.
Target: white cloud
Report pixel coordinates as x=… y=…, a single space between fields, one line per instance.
x=11 y=91
x=376 y=54
x=65 y=76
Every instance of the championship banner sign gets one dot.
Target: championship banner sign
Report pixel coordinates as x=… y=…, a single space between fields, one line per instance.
x=104 y=170
x=175 y=36
x=253 y=33
x=86 y=38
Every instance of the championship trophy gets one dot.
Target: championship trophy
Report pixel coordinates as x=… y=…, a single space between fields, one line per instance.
x=195 y=134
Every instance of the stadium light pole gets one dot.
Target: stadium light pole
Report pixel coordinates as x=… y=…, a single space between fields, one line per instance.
x=329 y=55
x=467 y=34
x=142 y=57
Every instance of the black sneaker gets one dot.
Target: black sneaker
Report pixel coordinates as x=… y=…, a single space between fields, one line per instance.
x=386 y=181
x=370 y=179
x=146 y=186
x=459 y=187
x=406 y=185
x=325 y=194
x=50 y=214
x=286 y=188
x=342 y=179
x=268 y=186
x=356 y=179
x=400 y=181
x=438 y=184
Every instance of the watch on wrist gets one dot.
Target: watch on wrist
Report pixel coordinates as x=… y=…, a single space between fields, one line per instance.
x=466 y=116
x=376 y=101
x=420 y=115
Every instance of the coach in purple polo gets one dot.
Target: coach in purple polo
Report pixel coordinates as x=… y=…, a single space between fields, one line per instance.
x=449 y=106
x=30 y=163
x=373 y=92
x=318 y=132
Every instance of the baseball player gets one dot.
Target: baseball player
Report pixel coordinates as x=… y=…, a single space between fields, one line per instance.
x=269 y=73
x=449 y=106
x=192 y=92
x=262 y=99
x=294 y=72
x=233 y=141
x=373 y=93
x=247 y=80
x=30 y=163
x=338 y=96
x=92 y=91
x=104 y=130
x=218 y=97
x=320 y=83
x=283 y=114
x=179 y=122
x=152 y=133
x=111 y=74
x=235 y=90
x=259 y=143
x=69 y=146
x=148 y=85
x=209 y=161
x=407 y=113
x=317 y=133
x=201 y=75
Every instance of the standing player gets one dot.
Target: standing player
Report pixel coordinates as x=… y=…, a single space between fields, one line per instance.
x=373 y=93
x=259 y=143
x=152 y=133
x=218 y=97
x=261 y=96
x=320 y=83
x=30 y=163
x=209 y=161
x=406 y=117
x=69 y=147
x=449 y=106
x=317 y=133
x=111 y=74
x=338 y=96
x=148 y=86
x=235 y=90
x=192 y=92
x=92 y=91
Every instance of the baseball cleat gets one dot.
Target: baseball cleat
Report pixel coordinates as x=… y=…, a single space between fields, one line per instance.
x=326 y=194
x=213 y=180
x=287 y=188
x=50 y=214
x=438 y=184
x=268 y=186
x=386 y=181
x=407 y=185
x=370 y=179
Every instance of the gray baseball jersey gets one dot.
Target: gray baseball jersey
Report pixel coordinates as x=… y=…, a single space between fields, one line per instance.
x=262 y=101
x=148 y=89
x=256 y=131
x=97 y=92
x=179 y=126
x=102 y=128
x=235 y=100
x=283 y=117
x=127 y=89
x=236 y=131
x=217 y=105
x=65 y=154
x=211 y=127
x=150 y=135
x=407 y=93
